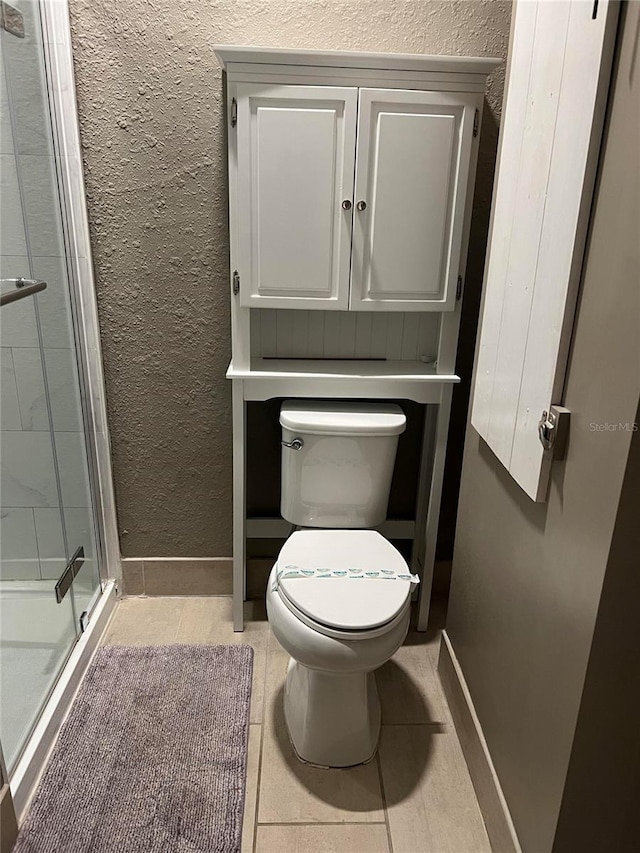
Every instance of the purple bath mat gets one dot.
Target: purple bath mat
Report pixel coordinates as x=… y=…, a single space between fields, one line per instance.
x=152 y=758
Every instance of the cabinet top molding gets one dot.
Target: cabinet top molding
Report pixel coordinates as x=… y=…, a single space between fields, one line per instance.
x=229 y=54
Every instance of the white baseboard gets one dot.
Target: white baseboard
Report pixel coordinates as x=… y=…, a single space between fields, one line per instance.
x=497 y=819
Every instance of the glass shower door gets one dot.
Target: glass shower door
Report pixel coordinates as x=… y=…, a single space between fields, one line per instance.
x=49 y=576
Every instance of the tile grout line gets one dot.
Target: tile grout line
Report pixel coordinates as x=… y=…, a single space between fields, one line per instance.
x=179 y=625
x=384 y=798
x=430 y=725
x=324 y=823
x=254 y=840
x=258 y=781
x=259 y=777
x=262 y=725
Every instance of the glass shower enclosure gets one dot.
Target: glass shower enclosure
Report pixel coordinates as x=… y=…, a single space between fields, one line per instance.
x=51 y=546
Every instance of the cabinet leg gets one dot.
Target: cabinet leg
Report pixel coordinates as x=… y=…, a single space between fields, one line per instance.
x=239 y=504
x=433 y=513
x=424 y=487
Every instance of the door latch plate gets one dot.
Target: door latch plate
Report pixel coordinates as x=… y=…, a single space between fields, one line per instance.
x=553 y=430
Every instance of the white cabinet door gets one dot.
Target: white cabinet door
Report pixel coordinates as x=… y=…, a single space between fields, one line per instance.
x=412 y=172
x=295 y=167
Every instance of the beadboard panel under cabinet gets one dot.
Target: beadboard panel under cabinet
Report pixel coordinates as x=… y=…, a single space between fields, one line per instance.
x=344 y=335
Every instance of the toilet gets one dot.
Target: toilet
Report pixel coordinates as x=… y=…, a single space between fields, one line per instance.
x=339 y=595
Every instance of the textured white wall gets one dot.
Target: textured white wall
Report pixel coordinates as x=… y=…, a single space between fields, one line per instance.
x=150 y=102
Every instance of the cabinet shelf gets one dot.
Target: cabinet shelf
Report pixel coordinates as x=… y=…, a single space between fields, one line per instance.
x=274 y=377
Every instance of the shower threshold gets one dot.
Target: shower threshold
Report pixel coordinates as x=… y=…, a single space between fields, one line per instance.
x=25 y=597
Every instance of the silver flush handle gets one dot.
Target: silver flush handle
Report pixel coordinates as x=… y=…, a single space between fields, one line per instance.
x=294 y=444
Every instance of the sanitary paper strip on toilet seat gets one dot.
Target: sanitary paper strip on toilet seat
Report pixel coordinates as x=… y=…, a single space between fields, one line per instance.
x=292 y=571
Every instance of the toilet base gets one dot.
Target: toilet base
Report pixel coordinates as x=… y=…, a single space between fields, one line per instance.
x=333 y=718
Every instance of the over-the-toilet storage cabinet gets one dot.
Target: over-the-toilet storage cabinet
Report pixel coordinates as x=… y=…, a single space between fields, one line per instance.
x=351 y=182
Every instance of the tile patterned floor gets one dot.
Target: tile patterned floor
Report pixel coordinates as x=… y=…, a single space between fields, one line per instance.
x=415 y=797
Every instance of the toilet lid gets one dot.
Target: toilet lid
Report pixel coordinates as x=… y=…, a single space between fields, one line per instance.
x=344 y=603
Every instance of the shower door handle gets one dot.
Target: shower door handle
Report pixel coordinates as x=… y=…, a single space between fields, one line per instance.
x=24 y=287
x=67 y=577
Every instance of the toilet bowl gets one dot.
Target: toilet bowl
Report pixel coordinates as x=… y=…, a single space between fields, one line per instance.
x=338 y=630
x=339 y=596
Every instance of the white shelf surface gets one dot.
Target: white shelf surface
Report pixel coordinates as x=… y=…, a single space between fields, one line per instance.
x=272 y=377
x=227 y=54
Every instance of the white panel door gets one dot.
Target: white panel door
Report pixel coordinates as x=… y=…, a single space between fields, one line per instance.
x=556 y=94
x=412 y=170
x=295 y=150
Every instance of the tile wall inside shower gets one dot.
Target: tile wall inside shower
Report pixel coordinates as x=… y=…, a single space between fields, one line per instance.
x=45 y=505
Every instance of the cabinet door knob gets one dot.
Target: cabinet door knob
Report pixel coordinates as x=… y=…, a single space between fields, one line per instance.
x=346 y=204
x=361 y=205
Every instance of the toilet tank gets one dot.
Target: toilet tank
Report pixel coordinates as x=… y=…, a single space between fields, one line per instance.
x=337 y=462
